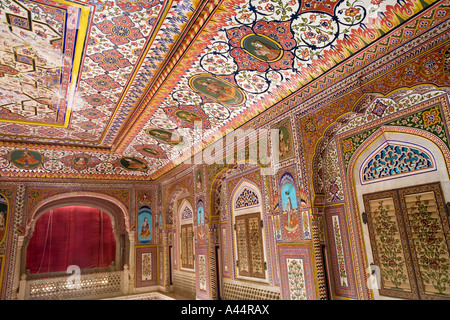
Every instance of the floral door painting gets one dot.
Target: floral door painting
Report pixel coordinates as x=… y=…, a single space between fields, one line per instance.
x=409 y=231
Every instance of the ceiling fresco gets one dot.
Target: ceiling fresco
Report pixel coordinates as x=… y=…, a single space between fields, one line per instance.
x=119 y=87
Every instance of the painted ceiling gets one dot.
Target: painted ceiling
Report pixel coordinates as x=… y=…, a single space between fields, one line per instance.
x=117 y=87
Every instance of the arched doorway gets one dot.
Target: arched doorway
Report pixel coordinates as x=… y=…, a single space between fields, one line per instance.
x=346 y=167
x=71 y=236
x=108 y=278
x=400 y=183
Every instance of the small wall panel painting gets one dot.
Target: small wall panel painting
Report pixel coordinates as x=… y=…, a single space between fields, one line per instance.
x=277 y=225
x=161 y=268
x=26 y=159
x=225 y=253
x=340 y=254
x=296 y=272
x=306 y=225
x=202 y=273
x=199 y=180
x=145 y=224
x=290 y=220
x=285 y=148
x=3 y=216
x=146 y=266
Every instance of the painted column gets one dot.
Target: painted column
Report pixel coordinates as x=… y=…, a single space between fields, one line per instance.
x=18 y=264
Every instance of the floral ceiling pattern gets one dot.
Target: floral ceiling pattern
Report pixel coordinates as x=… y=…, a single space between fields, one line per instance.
x=116 y=87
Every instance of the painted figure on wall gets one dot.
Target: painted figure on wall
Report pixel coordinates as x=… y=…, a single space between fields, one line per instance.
x=283 y=141
x=198 y=180
x=145 y=230
x=217 y=89
x=200 y=221
x=145 y=224
x=25 y=159
x=289 y=207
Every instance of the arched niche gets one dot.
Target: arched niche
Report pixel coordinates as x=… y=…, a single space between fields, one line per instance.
x=117 y=212
x=171 y=209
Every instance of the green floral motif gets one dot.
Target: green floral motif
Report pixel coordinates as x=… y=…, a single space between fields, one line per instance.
x=430 y=245
x=356 y=141
x=430 y=120
x=389 y=246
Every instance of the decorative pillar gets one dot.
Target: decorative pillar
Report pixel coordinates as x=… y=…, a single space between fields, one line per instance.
x=165 y=260
x=131 y=262
x=18 y=265
x=22 y=287
x=126 y=280
x=212 y=263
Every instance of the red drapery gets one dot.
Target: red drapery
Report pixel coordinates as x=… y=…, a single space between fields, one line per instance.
x=80 y=236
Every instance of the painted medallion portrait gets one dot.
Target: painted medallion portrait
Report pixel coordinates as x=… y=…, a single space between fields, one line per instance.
x=133 y=164
x=145 y=224
x=187 y=116
x=80 y=162
x=26 y=159
x=262 y=47
x=144 y=197
x=166 y=136
x=217 y=89
x=153 y=152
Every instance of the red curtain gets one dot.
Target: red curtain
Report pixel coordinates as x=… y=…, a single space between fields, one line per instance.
x=81 y=236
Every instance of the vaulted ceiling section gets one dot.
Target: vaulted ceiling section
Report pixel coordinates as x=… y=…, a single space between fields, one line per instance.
x=116 y=89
